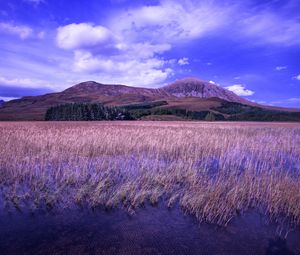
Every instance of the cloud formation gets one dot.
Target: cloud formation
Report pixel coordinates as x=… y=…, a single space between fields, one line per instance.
x=240 y=90
x=83 y=35
x=133 y=41
x=294 y=100
x=268 y=27
x=34 y=2
x=19 y=30
x=280 y=68
x=171 y=21
x=23 y=82
x=138 y=72
x=6 y=99
x=102 y=52
x=183 y=61
x=138 y=37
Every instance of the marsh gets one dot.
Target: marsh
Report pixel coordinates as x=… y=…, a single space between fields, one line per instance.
x=190 y=187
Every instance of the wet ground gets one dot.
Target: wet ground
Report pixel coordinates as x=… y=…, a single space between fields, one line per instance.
x=152 y=230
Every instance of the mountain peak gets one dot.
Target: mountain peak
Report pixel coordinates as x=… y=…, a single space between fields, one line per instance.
x=84 y=86
x=193 y=87
x=190 y=80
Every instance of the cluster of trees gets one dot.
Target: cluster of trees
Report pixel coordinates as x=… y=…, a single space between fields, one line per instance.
x=194 y=115
x=94 y=111
x=240 y=112
x=145 y=105
x=266 y=115
x=85 y=111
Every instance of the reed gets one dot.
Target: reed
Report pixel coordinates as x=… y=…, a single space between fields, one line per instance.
x=212 y=170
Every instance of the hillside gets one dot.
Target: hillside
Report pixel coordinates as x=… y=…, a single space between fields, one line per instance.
x=186 y=98
x=190 y=87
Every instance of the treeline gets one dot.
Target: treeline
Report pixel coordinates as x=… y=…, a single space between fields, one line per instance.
x=193 y=115
x=86 y=112
x=240 y=112
x=137 y=111
x=145 y=105
x=94 y=111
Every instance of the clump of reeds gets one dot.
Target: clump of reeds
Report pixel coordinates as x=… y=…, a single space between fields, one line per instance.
x=213 y=171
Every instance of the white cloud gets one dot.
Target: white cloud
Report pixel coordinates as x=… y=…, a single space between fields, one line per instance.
x=24 y=82
x=36 y=2
x=289 y=102
x=183 y=61
x=173 y=22
x=271 y=28
x=146 y=72
x=83 y=35
x=144 y=50
x=279 y=68
x=22 y=31
x=100 y=52
x=170 y=21
x=86 y=62
x=132 y=42
x=298 y=77
x=294 y=100
x=142 y=77
x=240 y=90
x=212 y=82
x=6 y=99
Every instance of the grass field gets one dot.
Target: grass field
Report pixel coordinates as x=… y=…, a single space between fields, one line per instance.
x=214 y=171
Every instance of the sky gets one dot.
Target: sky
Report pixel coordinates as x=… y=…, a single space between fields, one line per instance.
x=251 y=47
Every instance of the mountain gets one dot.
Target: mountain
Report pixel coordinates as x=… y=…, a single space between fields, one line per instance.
x=186 y=98
x=1 y=103
x=191 y=87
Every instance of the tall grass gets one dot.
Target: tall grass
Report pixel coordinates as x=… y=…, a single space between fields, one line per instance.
x=212 y=170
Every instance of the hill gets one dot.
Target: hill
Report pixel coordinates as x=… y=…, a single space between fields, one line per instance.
x=187 y=98
x=191 y=87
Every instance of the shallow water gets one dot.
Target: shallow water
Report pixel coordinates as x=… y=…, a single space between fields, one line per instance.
x=152 y=230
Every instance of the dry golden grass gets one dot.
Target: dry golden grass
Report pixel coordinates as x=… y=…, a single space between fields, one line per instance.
x=212 y=170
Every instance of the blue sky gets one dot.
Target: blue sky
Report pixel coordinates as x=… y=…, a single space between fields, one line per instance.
x=251 y=47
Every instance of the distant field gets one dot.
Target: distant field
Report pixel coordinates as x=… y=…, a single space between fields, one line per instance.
x=214 y=171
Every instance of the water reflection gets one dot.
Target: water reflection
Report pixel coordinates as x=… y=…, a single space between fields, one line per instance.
x=153 y=230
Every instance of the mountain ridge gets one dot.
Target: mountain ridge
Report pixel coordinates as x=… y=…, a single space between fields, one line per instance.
x=192 y=87
x=190 y=94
